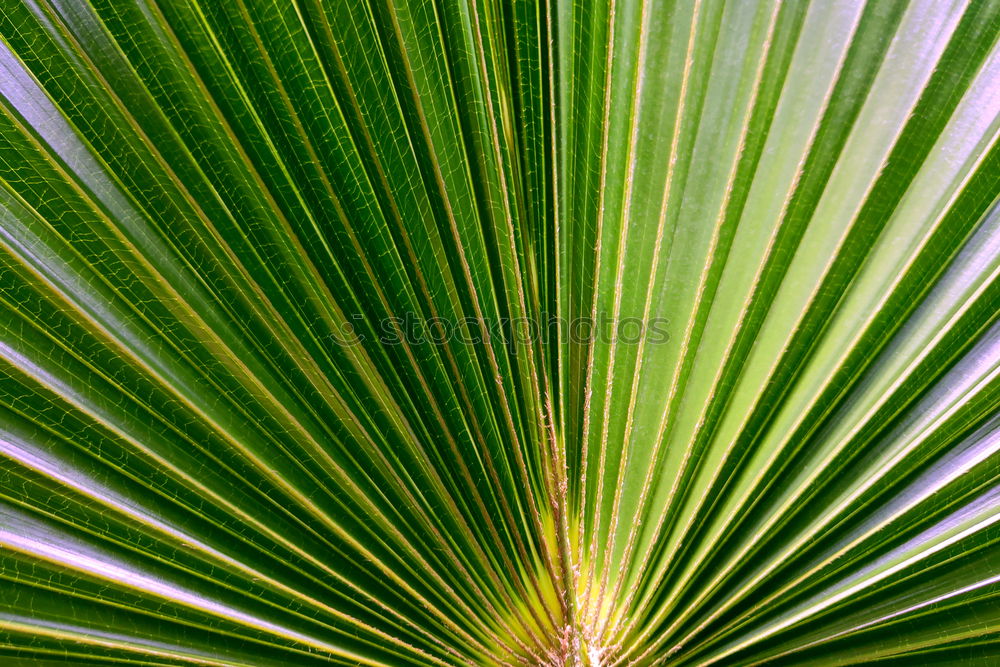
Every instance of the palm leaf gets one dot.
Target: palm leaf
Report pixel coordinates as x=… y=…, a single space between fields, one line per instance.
x=408 y=332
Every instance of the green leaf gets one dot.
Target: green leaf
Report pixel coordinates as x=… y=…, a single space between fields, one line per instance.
x=400 y=332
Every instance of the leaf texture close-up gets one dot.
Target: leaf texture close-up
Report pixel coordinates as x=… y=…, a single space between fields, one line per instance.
x=499 y=332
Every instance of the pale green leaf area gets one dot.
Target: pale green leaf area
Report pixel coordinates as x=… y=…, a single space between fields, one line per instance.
x=499 y=332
